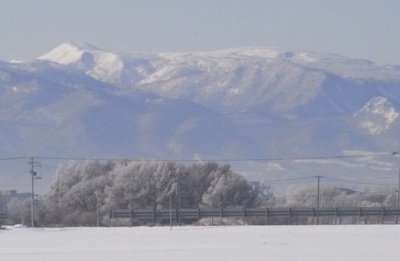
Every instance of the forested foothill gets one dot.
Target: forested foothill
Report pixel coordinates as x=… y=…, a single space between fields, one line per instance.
x=82 y=194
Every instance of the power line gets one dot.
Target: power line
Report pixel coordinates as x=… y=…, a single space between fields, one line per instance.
x=206 y=160
x=359 y=182
x=15 y=158
x=221 y=159
x=288 y=180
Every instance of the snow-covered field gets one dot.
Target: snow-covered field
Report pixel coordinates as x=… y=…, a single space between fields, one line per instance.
x=373 y=242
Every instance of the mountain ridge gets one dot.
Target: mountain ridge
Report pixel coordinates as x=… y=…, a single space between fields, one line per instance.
x=241 y=81
x=243 y=103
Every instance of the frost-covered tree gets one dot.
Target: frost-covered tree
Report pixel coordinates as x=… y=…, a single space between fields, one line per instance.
x=19 y=210
x=74 y=195
x=140 y=184
x=81 y=191
x=306 y=196
x=228 y=189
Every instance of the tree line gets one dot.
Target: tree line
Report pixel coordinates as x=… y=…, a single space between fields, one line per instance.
x=83 y=193
x=80 y=192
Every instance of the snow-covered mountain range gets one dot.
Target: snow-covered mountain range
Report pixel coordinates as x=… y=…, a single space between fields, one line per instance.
x=81 y=101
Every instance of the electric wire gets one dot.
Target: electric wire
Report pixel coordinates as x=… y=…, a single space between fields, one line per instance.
x=204 y=160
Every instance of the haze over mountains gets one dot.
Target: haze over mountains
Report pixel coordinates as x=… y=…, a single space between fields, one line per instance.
x=81 y=101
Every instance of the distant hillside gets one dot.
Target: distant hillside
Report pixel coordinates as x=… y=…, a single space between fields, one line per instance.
x=78 y=100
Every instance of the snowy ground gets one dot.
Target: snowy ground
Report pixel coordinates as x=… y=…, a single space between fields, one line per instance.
x=374 y=242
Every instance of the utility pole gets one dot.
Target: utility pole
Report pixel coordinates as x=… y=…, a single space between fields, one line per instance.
x=34 y=176
x=398 y=188
x=318 y=185
x=97 y=209
x=170 y=212
x=1 y=201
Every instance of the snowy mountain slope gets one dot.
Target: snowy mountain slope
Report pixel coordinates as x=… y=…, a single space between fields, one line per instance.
x=244 y=80
x=245 y=102
x=376 y=116
x=56 y=112
x=231 y=81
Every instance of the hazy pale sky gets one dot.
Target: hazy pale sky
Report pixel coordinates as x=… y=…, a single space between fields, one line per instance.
x=367 y=29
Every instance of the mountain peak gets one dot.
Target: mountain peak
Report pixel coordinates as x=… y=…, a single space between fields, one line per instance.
x=68 y=53
x=377 y=115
